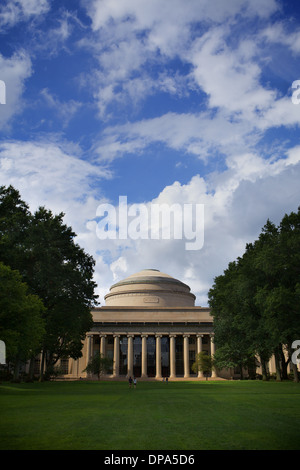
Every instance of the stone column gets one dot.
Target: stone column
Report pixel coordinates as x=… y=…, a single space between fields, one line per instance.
x=158 y=356
x=172 y=357
x=212 y=352
x=144 y=356
x=130 y=355
x=89 y=349
x=102 y=348
x=102 y=344
x=90 y=352
x=199 y=350
x=186 y=359
x=116 y=356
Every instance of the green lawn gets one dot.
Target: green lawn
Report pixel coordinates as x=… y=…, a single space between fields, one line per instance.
x=155 y=416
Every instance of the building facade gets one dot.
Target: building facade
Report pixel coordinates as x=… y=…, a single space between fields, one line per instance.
x=149 y=327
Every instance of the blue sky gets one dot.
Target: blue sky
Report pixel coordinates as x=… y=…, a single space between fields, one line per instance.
x=163 y=101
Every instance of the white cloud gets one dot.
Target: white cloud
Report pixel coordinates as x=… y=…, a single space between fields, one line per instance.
x=15 y=11
x=128 y=37
x=281 y=112
x=200 y=134
x=143 y=14
x=66 y=110
x=278 y=33
x=229 y=77
x=238 y=109
x=52 y=174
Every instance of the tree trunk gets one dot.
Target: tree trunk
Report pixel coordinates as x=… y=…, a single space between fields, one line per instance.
x=42 y=367
x=251 y=368
x=277 y=364
x=31 y=368
x=295 y=371
x=17 y=369
x=264 y=369
x=294 y=366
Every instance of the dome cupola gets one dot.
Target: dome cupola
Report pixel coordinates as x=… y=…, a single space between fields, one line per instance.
x=150 y=288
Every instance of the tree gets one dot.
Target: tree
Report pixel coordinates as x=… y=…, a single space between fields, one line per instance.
x=98 y=365
x=55 y=268
x=255 y=303
x=234 y=318
x=22 y=325
x=61 y=273
x=15 y=219
x=278 y=256
x=259 y=338
x=204 y=363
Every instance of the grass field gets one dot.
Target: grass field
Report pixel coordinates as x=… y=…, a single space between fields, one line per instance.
x=154 y=416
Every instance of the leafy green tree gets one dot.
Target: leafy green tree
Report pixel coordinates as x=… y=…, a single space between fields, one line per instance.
x=61 y=273
x=15 y=220
x=233 y=318
x=255 y=303
x=98 y=365
x=278 y=256
x=258 y=335
x=21 y=318
x=42 y=247
x=204 y=363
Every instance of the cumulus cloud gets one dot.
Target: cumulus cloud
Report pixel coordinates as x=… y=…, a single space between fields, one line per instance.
x=278 y=33
x=199 y=134
x=133 y=36
x=239 y=108
x=52 y=174
x=15 y=11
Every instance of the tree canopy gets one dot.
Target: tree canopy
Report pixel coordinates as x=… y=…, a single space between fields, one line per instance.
x=98 y=364
x=255 y=303
x=56 y=269
x=204 y=363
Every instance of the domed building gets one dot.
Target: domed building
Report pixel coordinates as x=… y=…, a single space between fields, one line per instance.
x=150 y=328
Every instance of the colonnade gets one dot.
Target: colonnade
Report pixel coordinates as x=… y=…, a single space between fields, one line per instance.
x=158 y=354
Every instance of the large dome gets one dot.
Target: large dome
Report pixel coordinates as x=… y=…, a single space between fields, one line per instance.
x=150 y=288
